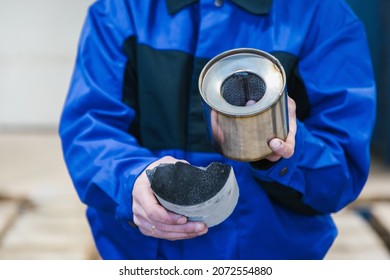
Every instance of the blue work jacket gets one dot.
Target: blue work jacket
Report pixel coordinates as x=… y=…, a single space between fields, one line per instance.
x=134 y=98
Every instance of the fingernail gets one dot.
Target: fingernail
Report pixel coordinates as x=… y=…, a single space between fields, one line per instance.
x=275 y=144
x=182 y=220
x=250 y=102
x=199 y=227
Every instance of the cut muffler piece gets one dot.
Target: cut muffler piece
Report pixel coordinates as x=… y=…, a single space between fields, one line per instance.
x=245 y=103
x=202 y=194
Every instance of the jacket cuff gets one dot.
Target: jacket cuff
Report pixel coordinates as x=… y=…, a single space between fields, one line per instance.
x=284 y=171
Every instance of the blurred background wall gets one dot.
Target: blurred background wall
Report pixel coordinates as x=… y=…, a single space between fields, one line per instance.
x=38 y=41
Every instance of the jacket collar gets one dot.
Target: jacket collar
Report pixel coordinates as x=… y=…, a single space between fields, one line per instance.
x=257 y=7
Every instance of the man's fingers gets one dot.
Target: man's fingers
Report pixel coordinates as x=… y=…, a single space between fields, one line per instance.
x=170 y=232
x=188 y=228
x=280 y=148
x=153 y=219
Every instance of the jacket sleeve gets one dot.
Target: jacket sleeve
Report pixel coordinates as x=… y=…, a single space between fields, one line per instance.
x=102 y=158
x=332 y=154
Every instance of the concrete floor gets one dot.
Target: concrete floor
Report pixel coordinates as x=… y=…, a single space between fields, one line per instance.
x=42 y=218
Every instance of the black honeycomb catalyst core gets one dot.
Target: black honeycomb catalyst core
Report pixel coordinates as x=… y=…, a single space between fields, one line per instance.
x=241 y=87
x=184 y=184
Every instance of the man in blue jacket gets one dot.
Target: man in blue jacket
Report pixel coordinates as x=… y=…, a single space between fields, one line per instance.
x=134 y=103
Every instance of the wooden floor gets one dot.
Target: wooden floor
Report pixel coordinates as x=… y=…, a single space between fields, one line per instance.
x=42 y=218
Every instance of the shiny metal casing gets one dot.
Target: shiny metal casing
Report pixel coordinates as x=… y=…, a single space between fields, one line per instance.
x=242 y=132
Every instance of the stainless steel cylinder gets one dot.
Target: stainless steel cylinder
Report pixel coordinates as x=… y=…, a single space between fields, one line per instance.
x=245 y=102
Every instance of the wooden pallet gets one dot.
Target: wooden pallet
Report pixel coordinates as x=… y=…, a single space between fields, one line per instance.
x=357 y=238
x=44 y=230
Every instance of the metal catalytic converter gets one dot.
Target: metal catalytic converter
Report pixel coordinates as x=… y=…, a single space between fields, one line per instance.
x=245 y=103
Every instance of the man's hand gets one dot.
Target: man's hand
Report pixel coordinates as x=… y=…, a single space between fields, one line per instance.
x=285 y=149
x=153 y=219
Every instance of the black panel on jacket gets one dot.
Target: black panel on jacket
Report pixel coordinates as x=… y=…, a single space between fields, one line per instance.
x=287 y=197
x=198 y=140
x=295 y=87
x=162 y=87
x=130 y=85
